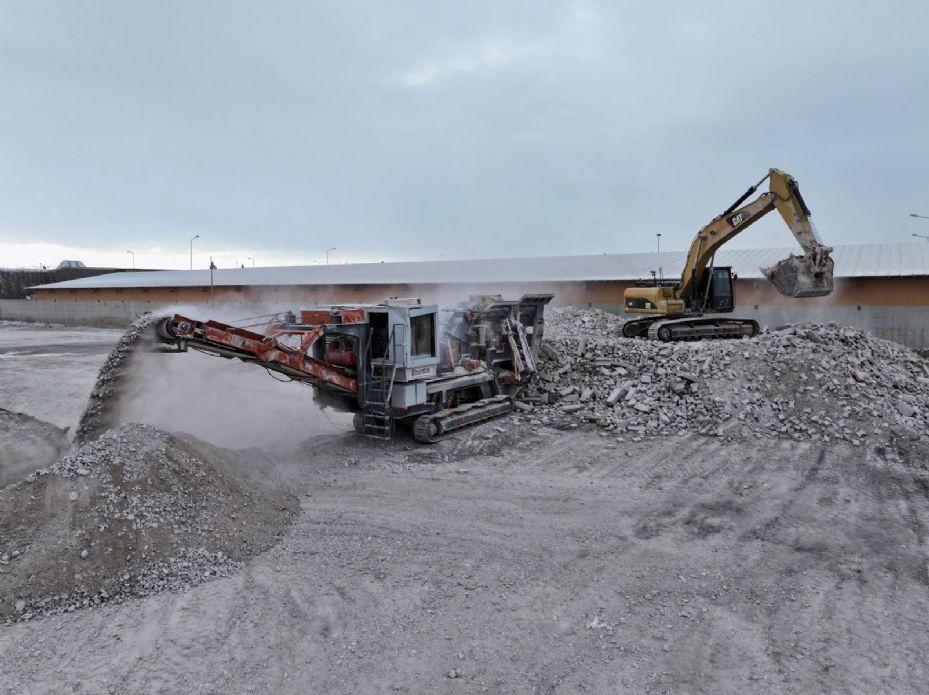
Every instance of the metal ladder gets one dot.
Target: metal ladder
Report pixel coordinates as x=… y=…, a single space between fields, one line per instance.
x=377 y=414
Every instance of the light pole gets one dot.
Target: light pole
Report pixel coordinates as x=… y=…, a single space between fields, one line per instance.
x=922 y=217
x=133 y=258
x=250 y=259
x=192 y=250
x=659 y=242
x=327 y=254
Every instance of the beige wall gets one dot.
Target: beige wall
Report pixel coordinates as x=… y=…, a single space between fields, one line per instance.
x=912 y=291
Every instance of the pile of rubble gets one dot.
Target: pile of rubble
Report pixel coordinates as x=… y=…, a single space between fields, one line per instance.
x=814 y=382
x=133 y=513
x=567 y=322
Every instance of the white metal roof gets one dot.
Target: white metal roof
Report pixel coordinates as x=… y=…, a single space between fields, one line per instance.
x=852 y=260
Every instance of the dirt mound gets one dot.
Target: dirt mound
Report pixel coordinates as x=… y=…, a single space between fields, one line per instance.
x=99 y=416
x=135 y=512
x=815 y=382
x=26 y=445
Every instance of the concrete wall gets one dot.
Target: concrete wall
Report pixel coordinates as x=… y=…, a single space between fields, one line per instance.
x=905 y=324
x=884 y=291
x=73 y=313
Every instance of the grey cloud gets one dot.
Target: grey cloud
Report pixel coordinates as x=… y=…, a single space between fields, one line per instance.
x=421 y=129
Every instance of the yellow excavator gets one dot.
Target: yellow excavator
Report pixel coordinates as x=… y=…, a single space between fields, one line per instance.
x=687 y=309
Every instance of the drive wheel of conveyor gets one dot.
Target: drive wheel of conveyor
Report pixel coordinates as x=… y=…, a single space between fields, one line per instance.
x=435 y=426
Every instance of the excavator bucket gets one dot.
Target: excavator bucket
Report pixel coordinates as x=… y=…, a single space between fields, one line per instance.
x=809 y=275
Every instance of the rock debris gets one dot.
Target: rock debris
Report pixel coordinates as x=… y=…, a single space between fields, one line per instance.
x=807 y=382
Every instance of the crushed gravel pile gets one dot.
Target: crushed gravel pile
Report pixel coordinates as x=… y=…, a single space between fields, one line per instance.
x=133 y=513
x=98 y=417
x=809 y=382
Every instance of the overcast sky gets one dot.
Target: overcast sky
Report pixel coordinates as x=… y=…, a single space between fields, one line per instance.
x=419 y=130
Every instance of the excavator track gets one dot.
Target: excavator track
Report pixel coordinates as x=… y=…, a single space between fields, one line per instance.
x=435 y=426
x=672 y=330
x=638 y=328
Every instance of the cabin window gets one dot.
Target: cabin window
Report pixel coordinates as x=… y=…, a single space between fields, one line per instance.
x=423 y=330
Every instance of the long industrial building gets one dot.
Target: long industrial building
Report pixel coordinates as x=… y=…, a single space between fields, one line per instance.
x=881 y=287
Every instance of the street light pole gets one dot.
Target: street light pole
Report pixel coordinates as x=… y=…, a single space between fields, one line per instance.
x=659 y=242
x=192 y=250
x=133 y=259
x=327 y=254
x=922 y=217
x=248 y=258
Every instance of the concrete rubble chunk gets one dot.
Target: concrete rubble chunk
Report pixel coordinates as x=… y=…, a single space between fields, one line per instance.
x=615 y=396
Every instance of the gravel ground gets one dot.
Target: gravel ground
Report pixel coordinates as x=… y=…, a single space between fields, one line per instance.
x=48 y=371
x=524 y=557
x=569 y=564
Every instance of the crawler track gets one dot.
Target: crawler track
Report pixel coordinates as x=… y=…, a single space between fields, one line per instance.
x=668 y=329
x=435 y=426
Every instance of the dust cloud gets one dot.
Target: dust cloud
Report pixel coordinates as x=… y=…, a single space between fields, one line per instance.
x=27 y=444
x=225 y=402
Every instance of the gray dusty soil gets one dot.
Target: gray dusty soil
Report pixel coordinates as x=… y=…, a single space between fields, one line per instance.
x=566 y=564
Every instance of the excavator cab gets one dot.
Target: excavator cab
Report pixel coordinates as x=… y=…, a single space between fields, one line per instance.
x=720 y=296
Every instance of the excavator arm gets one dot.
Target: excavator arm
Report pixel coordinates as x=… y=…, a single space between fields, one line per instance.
x=809 y=275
